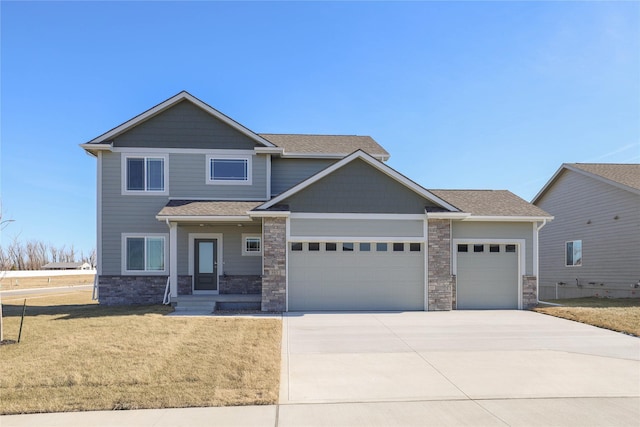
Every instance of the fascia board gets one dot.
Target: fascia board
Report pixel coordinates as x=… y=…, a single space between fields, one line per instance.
x=269 y=214
x=203 y=218
x=447 y=215
x=507 y=218
x=170 y=102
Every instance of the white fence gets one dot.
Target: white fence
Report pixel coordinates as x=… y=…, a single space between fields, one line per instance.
x=44 y=273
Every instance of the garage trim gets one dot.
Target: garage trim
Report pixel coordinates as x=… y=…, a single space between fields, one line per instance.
x=520 y=243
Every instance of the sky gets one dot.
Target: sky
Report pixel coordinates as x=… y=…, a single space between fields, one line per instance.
x=464 y=95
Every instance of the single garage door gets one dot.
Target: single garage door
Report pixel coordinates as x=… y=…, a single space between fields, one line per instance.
x=356 y=276
x=487 y=276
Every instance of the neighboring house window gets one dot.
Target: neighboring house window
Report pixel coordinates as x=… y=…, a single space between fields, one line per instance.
x=251 y=244
x=143 y=254
x=144 y=174
x=229 y=170
x=574 y=253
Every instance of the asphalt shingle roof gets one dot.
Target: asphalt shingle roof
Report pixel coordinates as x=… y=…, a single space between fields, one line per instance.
x=625 y=174
x=207 y=208
x=490 y=203
x=325 y=144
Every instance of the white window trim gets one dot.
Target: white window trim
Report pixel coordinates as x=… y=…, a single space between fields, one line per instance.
x=123 y=174
x=246 y=236
x=123 y=253
x=210 y=181
x=565 y=254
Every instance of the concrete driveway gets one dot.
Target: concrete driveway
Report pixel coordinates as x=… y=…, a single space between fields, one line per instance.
x=455 y=368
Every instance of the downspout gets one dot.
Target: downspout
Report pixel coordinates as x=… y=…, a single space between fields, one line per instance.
x=537 y=255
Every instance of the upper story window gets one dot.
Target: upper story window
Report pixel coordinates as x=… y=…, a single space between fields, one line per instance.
x=573 y=253
x=229 y=170
x=144 y=174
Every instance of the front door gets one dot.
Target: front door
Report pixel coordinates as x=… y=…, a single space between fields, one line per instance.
x=205 y=277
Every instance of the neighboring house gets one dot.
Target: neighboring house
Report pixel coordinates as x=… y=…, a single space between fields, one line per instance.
x=67 y=266
x=593 y=245
x=189 y=198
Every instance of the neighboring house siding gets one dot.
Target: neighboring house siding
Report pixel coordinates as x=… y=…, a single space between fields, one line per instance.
x=234 y=263
x=499 y=230
x=356 y=228
x=610 y=247
x=285 y=173
x=184 y=126
x=188 y=173
x=123 y=214
x=357 y=188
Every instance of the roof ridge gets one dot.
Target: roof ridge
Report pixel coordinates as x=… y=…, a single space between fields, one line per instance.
x=312 y=134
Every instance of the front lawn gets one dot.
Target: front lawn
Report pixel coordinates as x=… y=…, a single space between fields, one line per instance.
x=622 y=315
x=77 y=356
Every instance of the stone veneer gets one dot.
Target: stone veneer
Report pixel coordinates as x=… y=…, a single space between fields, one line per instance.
x=240 y=284
x=441 y=282
x=529 y=291
x=138 y=290
x=274 y=279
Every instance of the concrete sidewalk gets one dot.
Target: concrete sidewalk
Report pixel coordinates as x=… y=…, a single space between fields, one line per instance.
x=483 y=368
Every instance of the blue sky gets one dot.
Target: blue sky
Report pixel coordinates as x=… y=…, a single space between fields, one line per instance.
x=462 y=94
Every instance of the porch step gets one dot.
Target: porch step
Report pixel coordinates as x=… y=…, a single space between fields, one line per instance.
x=207 y=304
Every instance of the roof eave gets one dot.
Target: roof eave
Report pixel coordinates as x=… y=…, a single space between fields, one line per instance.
x=204 y=218
x=507 y=218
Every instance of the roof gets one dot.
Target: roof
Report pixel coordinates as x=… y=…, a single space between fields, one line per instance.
x=625 y=174
x=206 y=208
x=326 y=144
x=621 y=175
x=490 y=203
x=63 y=265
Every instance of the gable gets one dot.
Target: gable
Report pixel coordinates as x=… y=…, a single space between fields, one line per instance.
x=184 y=125
x=357 y=187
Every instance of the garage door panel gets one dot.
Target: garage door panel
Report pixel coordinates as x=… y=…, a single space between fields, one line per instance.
x=487 y=280
x=356 y=280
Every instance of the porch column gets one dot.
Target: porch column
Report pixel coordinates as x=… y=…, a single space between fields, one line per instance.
x=173 y=259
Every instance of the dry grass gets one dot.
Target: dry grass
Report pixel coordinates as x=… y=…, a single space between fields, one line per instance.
x=77 y=356
x=10 y=284
x=622 y=315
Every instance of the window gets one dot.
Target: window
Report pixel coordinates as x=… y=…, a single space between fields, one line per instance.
x=347 y=247
x=398 y=247
x=478 y=248
x=144 y=174
x=251 y=245
x=314 y=247
x=143 y=254
x=365 y=247
x=296 y=246
x=415 y=247
x=330 y=247
x=510 y=248
x=463 y=248
x=574 y=253
x=494 y=248
x=381 y=247
x=228 y=170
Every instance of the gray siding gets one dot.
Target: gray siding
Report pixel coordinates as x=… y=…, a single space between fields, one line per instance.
x=285 y=173
x=357 y=188
x=184 y=126
x=234 y=263
x=357 y=227
x=585 y=209
x=499 y=230
x=123 y=214
x=188 y=173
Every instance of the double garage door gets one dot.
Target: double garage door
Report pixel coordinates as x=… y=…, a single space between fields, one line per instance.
x=370 y=275
x=487 y=276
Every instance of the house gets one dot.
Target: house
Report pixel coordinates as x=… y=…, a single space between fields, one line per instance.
x=67 y=266
x=592 y=248
x=191 y=202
